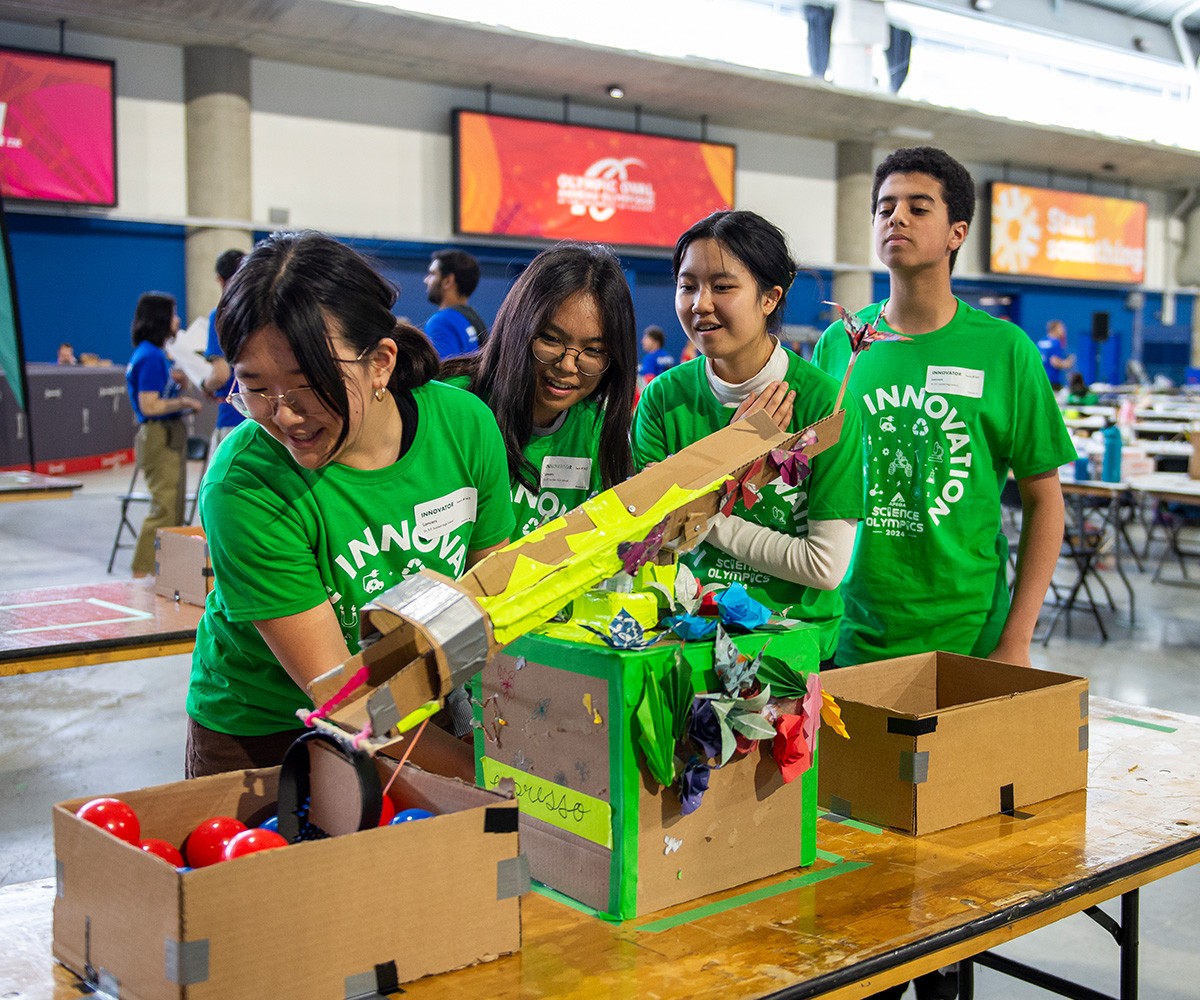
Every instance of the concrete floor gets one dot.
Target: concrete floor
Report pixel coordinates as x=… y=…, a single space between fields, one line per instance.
x=121 y=726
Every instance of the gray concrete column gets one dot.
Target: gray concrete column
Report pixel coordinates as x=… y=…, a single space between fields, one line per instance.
x=853 y=241
x=216 y=90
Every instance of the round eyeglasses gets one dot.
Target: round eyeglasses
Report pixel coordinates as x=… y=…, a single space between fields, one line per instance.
x=588 y=360
x=301 y=401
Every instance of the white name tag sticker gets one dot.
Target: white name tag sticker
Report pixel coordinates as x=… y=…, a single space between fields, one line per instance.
x=559 y=473
x=441 y=516
x=954 y=381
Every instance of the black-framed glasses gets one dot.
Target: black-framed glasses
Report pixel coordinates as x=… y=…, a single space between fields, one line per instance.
x=301 y=401
x=589 y=361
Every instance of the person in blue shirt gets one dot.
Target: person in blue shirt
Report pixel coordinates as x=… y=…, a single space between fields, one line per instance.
x=154 y=385
x=1055 y=358
x=656 y=359
x=455 y=329
x=219 y=383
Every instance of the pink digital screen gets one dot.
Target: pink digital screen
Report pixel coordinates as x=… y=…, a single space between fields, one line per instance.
x=57 y=128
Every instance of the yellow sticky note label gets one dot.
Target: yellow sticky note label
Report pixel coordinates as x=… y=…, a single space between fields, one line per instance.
x=575 y=812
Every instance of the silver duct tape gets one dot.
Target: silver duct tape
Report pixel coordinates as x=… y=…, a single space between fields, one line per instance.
x=914 y=767
x=363 y=986
x=382 y=710
x=59 y=891
x=454 y=621
x=186 y=962
x=1083 y=737
x=1083 y=705
x=512 y=877
x=840 y=806
x=106 y=985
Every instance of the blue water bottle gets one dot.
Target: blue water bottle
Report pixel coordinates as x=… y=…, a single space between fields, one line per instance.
x=1111 y=469
x=1083 y=468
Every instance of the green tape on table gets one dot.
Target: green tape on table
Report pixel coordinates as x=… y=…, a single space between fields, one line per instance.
x=555 y=804
x=754 y=896
x=1138 y=722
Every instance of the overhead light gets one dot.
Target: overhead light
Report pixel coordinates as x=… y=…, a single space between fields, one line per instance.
x=616 y=91
x=982 y=5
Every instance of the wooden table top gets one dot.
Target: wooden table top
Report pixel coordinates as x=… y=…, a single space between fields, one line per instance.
x=35 y=486
x=53 y=627
x=877 y=907
x=1168 y=486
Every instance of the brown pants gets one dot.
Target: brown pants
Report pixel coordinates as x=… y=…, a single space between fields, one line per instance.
x=160 y=446
x=210 y=752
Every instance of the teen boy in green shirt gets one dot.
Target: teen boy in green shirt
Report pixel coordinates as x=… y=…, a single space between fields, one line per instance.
x=946 y=416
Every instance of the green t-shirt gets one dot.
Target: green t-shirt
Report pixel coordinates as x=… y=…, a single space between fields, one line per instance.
x=679 y=408
x=283 y=539
x=566 y=460
x=946 y=416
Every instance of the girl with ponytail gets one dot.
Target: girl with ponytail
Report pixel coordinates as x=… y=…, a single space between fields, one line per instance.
x=354 y=471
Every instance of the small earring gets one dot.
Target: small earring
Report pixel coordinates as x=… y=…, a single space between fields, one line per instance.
x=379 y=395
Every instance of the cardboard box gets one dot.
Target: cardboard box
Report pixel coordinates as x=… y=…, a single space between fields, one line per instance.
x=938 y=739
x=347 y=916
x=1194 y=460
x=594 y=823
x=182 y=567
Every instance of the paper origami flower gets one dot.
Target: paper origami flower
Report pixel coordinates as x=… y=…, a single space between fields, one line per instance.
x=741 y=489
x=624 y=632
x=634 y=555
x=704 y=729
x=790 y=749
x=738 y=609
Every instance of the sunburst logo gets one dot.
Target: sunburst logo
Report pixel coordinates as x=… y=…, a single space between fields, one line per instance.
x=1016 y=231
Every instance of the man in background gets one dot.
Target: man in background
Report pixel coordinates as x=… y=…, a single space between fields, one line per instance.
x=66 y=354
x=655 y=359
x=1055 y=358
x=456 y=328
x=220 y=382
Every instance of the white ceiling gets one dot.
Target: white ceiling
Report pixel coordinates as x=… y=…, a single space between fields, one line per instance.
x=366 y=39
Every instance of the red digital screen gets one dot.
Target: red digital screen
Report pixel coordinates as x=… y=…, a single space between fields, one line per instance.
x=519 y=177
x=57 y=128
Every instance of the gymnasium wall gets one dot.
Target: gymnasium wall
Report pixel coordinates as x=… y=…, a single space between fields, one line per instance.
x=369 y=158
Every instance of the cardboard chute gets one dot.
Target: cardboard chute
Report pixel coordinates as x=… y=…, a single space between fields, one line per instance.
x=428 y=634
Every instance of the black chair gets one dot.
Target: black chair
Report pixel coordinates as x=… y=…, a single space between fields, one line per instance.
x=196 y=451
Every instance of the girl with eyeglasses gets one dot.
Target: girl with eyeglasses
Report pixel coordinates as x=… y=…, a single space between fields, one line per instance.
x=354 y=471
x=791 y=549
x=558 y=371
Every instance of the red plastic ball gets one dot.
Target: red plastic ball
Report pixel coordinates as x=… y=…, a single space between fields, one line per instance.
x=168 y=852
x=253 y=841
x=387 y=812
x=206 y=844
x=113 y=815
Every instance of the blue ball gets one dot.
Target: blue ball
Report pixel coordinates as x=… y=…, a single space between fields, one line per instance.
x=408 y=815
x=271 y=823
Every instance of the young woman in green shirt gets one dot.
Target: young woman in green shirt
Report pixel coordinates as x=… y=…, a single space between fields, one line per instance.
x=559 y=371
x=354 y=471
x=791 y=549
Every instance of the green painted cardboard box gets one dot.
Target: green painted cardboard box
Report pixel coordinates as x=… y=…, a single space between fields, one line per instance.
x=557 y=718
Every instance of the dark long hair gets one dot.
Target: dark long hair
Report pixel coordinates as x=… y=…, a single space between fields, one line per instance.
x=757 y=243
x=153 y=319
x=307 y=286
x=503 y=372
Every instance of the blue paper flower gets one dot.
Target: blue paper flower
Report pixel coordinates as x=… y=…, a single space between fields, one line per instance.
x=691 y=627
x=692 y=786
x=740 y=610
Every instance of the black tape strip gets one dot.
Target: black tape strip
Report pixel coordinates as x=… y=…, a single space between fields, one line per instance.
x=386 y=979
x=911 y=727
x=1007 y=808
x=207 y=571
x=497 y=820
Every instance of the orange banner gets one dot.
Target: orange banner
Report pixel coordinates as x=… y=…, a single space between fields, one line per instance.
x=518 y=177
x=1058 y=234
